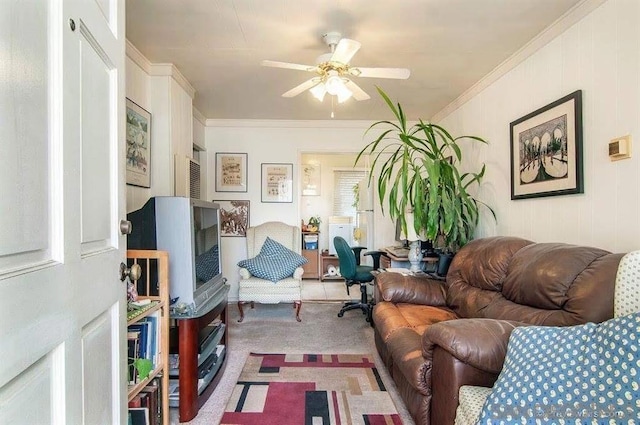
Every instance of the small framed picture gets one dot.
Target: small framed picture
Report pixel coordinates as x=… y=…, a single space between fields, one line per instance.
x=231 y=172
x=310 y=179
x=138 y=145
x=234 y=218
x=277 y=182
x=546 y=150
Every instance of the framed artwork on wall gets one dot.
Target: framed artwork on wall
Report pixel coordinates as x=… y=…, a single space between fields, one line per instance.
x=234 y=218
x=138 y=151
x=546 y=150
x=231 y=172
x=310 y=179
x=277 y=182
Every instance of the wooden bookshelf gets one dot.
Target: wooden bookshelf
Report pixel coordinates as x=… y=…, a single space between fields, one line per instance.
x=153 y=263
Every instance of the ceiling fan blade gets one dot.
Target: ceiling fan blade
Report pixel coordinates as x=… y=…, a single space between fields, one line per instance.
x=345 y=50
x=287 y=65
x=302 y=87
x=396 y=73
x=358 y=93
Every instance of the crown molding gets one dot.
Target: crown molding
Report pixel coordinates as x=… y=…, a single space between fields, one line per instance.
x=563 y=23
x=138 y=58
x=198 y=115
x=170 y=70
x=159 y=69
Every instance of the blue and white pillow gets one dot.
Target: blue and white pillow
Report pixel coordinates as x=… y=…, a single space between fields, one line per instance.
x=274 y=262
x=587 y=374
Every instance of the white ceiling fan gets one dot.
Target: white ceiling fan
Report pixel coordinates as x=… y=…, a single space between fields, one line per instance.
x=334 y=72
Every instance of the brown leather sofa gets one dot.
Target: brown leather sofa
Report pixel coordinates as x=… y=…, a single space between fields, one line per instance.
x=435 y=336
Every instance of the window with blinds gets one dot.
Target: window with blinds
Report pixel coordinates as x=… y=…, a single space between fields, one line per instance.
x=344 y=197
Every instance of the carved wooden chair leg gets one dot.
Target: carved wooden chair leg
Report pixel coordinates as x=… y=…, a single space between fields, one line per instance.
x=297 y=305
x=240 y=303
x=241 y=312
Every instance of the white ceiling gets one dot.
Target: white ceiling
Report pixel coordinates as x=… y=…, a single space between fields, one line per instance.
x=447 y=44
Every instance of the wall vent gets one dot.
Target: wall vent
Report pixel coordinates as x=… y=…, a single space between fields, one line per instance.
x=187 y=177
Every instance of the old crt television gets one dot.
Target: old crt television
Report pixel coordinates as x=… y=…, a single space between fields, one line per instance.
x=189 y=230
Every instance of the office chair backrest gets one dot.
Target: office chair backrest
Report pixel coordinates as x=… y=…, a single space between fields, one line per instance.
x=346 y=258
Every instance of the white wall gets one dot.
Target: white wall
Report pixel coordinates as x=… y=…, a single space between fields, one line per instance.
x=599 y=55
x=279 y=142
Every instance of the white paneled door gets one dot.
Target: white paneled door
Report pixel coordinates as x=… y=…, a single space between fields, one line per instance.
x=62 y=304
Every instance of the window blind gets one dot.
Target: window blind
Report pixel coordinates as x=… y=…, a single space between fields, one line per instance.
x=343 y=197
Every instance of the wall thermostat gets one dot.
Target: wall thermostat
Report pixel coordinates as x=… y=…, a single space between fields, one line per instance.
x=620 y=148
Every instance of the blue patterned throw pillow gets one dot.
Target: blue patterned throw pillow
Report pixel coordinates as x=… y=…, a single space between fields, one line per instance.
x=274 y=262
x=587 y=374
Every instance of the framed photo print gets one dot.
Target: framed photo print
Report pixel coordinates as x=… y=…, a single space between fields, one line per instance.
x=277 y=182
x=234 y=218
x=231 y=172
x=546 y=150
x=138 y=151
x=310 y=179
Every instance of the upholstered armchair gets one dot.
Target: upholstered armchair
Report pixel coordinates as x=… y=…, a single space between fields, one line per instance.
x=549 y=374
x=272 y=272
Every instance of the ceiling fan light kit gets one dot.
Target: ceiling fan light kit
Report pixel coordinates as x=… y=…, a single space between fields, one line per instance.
x=333 y=71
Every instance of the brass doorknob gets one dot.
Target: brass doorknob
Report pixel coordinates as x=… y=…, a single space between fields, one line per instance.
x=133 y=273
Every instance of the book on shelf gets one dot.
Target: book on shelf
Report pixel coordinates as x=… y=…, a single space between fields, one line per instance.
x=151 y=400
x=143 y=329
x=139 y=415
x=133 y=341
x=136 y=401
x=149 y=341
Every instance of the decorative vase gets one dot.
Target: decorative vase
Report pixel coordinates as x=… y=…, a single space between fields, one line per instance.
x=415 y=256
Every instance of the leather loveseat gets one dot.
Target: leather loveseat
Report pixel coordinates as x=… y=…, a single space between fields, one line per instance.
x=435 y=336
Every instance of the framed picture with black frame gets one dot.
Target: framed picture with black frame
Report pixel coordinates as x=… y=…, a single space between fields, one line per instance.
x=138 y=151
x=546 y=150
x=277 y=182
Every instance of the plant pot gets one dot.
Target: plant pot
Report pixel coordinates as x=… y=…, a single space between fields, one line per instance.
x=444 y=261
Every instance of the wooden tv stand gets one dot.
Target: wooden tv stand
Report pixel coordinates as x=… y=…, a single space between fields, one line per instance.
x=188 y=332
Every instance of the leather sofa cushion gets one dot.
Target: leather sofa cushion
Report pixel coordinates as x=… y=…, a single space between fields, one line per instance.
x=484 y=263
x=389 y=317
x=576 y=279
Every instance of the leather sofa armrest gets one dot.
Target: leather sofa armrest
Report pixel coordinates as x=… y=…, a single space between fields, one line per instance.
x=481 y=343
x=397 y=288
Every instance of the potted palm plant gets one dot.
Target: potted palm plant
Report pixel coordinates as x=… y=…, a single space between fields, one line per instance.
x=419 y=174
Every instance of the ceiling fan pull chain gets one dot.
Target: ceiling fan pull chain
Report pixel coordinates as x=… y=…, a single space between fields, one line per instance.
x=332 y=103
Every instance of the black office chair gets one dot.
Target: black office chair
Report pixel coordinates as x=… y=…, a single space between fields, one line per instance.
x=355 y=274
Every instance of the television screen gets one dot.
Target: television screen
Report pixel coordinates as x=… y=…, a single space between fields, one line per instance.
x=206 y=234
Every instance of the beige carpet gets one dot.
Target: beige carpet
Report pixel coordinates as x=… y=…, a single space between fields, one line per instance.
x=273 y=329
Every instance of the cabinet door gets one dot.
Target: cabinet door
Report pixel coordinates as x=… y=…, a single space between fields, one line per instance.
x=311 y=267
x=62 y=186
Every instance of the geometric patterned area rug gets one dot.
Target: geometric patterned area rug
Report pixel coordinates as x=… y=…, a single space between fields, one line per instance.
x=310 y=389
